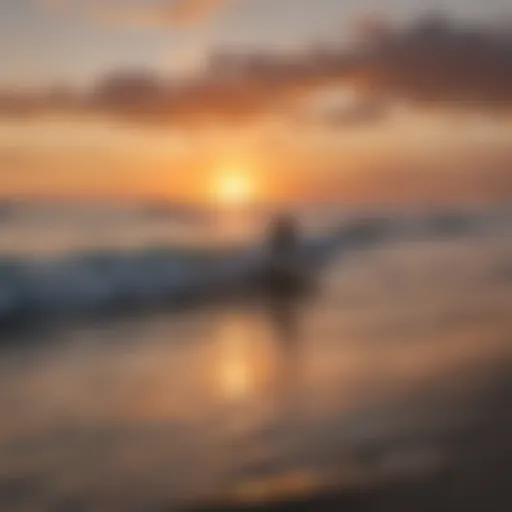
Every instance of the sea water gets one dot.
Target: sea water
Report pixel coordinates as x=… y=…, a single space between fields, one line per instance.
x=163 y=408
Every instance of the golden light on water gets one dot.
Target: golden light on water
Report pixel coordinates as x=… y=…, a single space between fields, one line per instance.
x=246 y=361
x=237 y=372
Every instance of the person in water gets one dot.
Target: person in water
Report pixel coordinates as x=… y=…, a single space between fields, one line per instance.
x=283 y=237
x=283 y=272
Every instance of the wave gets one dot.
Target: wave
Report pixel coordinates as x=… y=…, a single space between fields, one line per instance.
x=104 y=281
x=117 y=280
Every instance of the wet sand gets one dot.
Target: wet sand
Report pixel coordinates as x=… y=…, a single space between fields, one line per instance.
x=464 y=468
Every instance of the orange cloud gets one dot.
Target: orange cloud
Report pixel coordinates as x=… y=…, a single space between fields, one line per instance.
x=433 y=62
x=163 y=13
x=135 y=13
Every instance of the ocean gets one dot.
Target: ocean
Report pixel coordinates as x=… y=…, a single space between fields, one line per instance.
x=139 y=371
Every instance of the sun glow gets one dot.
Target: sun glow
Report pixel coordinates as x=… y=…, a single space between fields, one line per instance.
x=234 y=188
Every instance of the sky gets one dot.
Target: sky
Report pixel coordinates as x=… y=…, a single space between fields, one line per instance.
x=359 y=101
x=46 y=41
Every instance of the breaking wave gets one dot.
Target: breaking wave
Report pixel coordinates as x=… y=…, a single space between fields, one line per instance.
x=116 y=280
x=103 y=281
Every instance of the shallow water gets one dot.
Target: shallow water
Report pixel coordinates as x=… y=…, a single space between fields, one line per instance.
x=252 y=400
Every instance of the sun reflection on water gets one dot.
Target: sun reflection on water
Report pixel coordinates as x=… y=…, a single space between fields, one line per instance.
x=246 y=362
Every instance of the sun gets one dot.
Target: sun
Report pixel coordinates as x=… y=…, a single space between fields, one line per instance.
x=234 y=188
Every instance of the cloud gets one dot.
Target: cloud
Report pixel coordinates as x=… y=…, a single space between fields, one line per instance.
x=165 y=13
x=150 y=14
x=436 y=61
x=433 y=63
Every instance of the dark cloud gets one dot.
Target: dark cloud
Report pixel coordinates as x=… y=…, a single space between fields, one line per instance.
x=439 y=62
x=434 y=62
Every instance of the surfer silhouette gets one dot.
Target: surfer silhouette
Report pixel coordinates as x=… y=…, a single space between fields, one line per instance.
x=283 y=273
x=283 y=236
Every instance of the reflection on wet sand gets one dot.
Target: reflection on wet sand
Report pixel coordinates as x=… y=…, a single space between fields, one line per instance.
x=258 y=374
x=242 y=362
x=256 y=353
